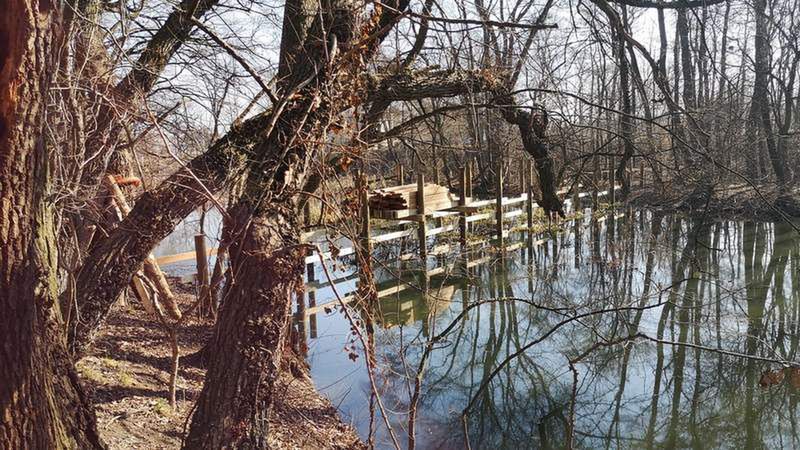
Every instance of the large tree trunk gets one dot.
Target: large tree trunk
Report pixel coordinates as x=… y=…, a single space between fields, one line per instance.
x=42 y=404
x=267 y=267
x=266 y=258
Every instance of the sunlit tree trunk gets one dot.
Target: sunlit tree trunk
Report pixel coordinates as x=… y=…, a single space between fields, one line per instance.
x=42 y=403
x=266 y=259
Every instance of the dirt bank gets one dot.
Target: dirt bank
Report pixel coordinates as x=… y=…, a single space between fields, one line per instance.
x=741 y=201
x=128 y=373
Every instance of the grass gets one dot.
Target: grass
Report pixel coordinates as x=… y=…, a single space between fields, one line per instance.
x=110 y=363
x=126 y=379
x=162 y=408
x=92 y=374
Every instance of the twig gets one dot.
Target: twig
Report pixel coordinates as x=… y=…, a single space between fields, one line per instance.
x=363 y=343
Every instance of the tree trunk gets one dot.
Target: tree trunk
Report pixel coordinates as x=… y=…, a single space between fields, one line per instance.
x=760 y=112
x=266 y=259
x=626 y=125
x=42 y=402
x=267 y=267
x=533 y=130
x=112 y=262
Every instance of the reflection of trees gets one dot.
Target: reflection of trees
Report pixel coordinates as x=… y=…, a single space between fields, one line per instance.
x=733 y=287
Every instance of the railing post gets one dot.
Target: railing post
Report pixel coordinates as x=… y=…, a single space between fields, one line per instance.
x=529 y=188
x=595 y=179
x=641 y=172
x=422 y=232
x=366 y=244
x=470 y=175
x=498 y=210
x=307 y=213
x=576 y=198
x=612 y=194
x=462 y=216
x=312 y=301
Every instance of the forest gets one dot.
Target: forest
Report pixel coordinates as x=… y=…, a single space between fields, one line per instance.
x=399 y=224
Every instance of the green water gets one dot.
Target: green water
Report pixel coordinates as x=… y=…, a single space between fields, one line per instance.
x=668 y=323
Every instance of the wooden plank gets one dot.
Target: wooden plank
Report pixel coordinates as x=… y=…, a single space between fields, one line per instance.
x=185 y=256
x=479 y=217
x=515 y=246
x=314 y=286
x=512 y=214
x=313 y=235
x=392 y=236
x=444 y=229
x=310 y=259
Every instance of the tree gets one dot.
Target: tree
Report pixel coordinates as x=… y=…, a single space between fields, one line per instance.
x=761 y=106
x=324 y=51
x=41 y=399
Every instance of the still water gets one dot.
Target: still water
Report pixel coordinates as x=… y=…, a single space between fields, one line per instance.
x=641 y=331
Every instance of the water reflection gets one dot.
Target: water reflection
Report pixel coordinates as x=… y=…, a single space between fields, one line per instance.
x=701 y=309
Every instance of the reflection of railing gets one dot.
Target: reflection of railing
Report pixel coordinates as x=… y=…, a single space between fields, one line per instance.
x=308 y=313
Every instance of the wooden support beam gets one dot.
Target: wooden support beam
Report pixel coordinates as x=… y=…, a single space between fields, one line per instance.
x=421 y=225
x=576 y=200
x=612 y=194
x=366 y=245
x=498 y=212
x=595 y=180
x=641 y=172
x=529 y=188
x=462 y=216
x=470 y=176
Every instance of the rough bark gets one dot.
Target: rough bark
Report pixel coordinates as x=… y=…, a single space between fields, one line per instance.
x=267 y=264
x=42 y=403
x=266 y=260
x=533 y=130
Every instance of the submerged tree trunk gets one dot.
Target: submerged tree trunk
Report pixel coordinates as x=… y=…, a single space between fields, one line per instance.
x=42 y=403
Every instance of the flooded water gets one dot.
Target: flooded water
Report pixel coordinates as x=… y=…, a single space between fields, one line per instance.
x=641 y=331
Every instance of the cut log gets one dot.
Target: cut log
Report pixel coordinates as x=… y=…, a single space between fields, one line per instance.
x=401 y=198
